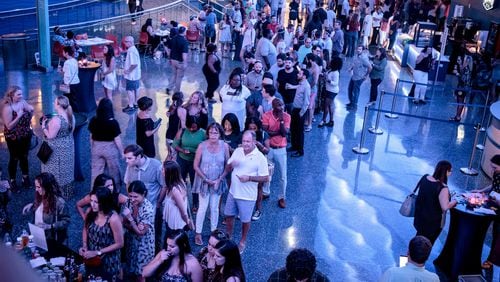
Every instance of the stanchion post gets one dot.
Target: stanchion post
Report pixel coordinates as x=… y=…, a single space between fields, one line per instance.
x=360 y=149
x=376 y=130
x=481 y=146
x=393 y=106
x=485 y=110
x=469 y=170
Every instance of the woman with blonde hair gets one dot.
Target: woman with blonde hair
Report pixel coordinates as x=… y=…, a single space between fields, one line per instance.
x=58 y=133
x=196 y=107
x=16 y=115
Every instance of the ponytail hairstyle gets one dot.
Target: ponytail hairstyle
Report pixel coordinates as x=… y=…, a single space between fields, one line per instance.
x=63 y=102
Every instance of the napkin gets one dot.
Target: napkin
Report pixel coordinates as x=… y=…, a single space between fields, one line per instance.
x=39 y=261
x=59 y=261
x=484 y=210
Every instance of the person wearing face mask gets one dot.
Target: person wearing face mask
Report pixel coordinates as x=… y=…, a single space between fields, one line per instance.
x=139 y=217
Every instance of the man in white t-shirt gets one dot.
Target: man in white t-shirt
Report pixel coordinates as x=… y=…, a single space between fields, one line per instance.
x=249 y=168
x=132 y=74
x=419 y=250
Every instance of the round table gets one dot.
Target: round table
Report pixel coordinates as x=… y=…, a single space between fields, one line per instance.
x=461 y=254
x=85 y=99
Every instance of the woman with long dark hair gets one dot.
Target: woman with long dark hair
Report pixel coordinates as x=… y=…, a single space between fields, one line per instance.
x=16 y=115
x=58 y=132
x=331 y=90
x=108 y=71
x=105 y=142
x=353 y=28
x=211 y=70
x=228 y=260
x=206 y=255
x=49 y=209
x=102 y=236
x=433 y=201
x=175 y=209
x=102 y=180
x=232 y=131
x=175 y=262
x=139 y=217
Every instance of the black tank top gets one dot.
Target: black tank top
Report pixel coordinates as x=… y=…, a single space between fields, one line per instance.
x=174 y=123
x=425 y=64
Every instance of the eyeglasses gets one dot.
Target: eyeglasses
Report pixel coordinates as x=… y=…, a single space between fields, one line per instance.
x=213 y=132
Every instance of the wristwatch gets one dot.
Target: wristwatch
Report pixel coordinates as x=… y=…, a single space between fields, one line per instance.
x=99 y=253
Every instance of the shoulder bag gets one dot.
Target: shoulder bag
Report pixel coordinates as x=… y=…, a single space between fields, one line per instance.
x=408 y=206
x=44 y=152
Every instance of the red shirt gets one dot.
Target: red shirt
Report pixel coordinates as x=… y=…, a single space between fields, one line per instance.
x=273 y=124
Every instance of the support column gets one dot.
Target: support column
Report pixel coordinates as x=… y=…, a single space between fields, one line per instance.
x=42 y=12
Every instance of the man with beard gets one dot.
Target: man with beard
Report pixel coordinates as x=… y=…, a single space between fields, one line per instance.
x=279 y=65
x=300 y=108
x=287 y=75
x=265 y=50
x=337 y=39
x=253 y=81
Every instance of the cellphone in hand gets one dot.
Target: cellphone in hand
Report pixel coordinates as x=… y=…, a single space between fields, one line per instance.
x=157 y=123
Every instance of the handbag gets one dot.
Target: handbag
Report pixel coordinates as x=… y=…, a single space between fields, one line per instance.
x=408 y=206
x=44 y=152
x=93 y=262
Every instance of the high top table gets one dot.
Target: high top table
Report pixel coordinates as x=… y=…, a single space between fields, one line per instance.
x=85 y=99
x=461 y=254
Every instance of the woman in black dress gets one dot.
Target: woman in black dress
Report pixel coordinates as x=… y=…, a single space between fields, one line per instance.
x=145 y=128
x=433 y=201
x=211 y=70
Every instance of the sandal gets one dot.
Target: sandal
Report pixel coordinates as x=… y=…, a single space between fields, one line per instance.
x=198 y=240
x=486 y=265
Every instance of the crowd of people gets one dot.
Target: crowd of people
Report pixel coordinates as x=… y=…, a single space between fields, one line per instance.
x=290 y=68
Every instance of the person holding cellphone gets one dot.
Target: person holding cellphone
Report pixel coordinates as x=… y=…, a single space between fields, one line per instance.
x=145 y=127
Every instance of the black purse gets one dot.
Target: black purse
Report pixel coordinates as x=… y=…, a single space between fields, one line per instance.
x=45 y=152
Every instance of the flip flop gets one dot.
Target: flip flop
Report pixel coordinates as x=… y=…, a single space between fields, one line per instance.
x=198 y=241
x=241 y=248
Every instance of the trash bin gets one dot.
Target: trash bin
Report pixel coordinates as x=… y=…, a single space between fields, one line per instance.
x=14 y=51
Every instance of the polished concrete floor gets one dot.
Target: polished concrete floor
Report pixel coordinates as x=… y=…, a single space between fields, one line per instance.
x=341 y=205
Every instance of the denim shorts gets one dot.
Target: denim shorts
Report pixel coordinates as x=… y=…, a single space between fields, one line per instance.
x=243 y=208
x=131 y=85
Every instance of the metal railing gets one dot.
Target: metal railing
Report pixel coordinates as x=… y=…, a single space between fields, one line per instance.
x=120 y=26
x=24 y=20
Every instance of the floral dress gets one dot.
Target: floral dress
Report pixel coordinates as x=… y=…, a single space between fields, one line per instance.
x=100 y=237
x=61 y=162
x=140 y=250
